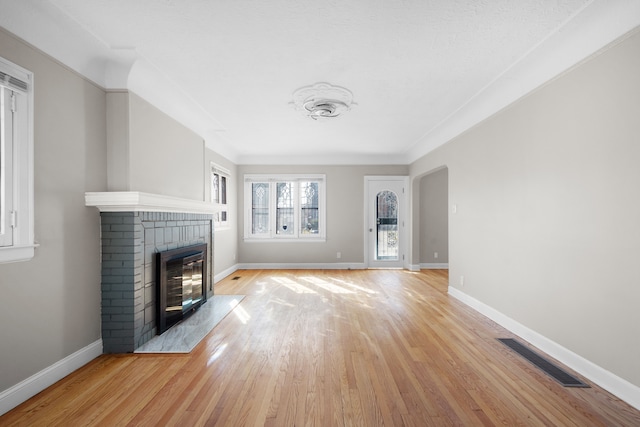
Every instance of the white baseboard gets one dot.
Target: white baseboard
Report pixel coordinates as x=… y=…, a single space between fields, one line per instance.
x=289 y=266
x=414 y=267
x=229 y=271
x=303 y=266
x=620 y=387
x=434 y=265
x=33 y=385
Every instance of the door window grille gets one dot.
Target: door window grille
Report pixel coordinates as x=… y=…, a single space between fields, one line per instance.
x=387 y=226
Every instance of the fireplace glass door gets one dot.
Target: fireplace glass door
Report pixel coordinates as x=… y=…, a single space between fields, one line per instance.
x=181 y=287
x=191 y=281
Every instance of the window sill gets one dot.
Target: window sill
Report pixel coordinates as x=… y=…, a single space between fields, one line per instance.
x=285 y=240
x=17 y=253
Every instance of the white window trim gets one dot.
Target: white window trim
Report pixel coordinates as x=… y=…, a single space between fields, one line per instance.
x=220 y=225
x=21 y=179
x=272 y=236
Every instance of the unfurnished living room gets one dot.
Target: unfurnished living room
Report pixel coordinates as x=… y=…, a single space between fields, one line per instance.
x=319 y=213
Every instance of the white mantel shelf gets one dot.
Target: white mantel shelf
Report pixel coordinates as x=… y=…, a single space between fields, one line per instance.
x=134 y=201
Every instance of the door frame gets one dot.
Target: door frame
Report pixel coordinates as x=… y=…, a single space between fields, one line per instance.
x=402 y=218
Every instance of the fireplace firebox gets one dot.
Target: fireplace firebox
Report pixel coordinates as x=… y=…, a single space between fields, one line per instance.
x=181 y=284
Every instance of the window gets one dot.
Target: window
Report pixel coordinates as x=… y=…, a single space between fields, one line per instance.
x=285 y=207
x=219 y=185
x=16 y=163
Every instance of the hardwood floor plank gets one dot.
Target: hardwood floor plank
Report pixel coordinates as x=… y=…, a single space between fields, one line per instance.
x=329 y=348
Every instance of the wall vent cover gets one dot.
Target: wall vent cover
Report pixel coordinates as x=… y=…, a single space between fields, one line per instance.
x=548 y=367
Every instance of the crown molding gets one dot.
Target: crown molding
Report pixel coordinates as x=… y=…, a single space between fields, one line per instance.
x=583 y=36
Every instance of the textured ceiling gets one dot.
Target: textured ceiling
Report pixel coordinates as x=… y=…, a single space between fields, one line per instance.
x=418 y=69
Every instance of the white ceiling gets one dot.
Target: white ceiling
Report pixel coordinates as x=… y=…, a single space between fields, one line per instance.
x=421 y=71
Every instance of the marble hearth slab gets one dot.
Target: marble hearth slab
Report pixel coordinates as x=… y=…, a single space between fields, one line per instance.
x=184 y=336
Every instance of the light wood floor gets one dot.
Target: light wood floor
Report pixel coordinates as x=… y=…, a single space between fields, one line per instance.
x=334 y=348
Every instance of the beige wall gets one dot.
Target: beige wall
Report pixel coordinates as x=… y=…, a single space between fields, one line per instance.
x=434 y=219
x=150 y=152
x=547 y=228
x=165 y=157
x=345 y=217
x=51 y=304
x=118 y=155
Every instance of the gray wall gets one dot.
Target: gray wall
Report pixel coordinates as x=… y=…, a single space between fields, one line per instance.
x=547 y=228
x=51 y=304
x=345 y=217
x=434 y=218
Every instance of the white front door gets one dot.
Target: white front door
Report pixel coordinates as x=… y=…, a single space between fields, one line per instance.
x=385 y=221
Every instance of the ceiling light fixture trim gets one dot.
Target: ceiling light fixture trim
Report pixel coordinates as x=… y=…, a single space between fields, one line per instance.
x=322 y=100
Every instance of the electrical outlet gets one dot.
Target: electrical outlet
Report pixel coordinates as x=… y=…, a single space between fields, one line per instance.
x=462 y=281
x=338 y=255
x=435 y=255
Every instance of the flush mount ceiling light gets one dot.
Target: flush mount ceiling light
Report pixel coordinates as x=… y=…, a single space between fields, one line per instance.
x=322 y=101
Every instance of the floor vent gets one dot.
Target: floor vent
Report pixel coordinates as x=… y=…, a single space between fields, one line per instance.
x=552 y=370
x=236 y=278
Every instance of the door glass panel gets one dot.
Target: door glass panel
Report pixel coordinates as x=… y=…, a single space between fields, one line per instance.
x=386 y=226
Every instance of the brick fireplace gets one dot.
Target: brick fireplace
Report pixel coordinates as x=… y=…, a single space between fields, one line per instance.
x=135 y=227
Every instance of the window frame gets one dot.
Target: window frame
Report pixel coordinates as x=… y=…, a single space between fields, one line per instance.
x=220 y=203
x=272 y=234
x=7 y=97
x=18 y=182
